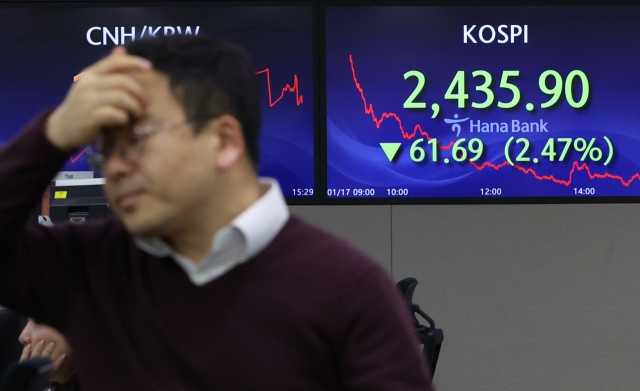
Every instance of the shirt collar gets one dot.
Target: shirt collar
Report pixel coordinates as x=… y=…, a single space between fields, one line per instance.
x=248 y=234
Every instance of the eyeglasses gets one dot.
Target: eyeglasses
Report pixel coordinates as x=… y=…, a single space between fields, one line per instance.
x=129 y=145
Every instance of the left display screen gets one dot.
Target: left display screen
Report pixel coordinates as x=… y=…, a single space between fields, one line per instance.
x=43 y=49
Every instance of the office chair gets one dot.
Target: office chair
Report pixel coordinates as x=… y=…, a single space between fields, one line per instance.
x=29 y=375
x=11 y=325
x=430 y=336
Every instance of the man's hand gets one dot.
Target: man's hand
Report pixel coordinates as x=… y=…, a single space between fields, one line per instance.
x=106 y=95
x=42 y=350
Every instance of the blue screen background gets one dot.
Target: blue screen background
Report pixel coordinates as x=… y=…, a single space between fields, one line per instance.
x=385 y=42
x=43 y=49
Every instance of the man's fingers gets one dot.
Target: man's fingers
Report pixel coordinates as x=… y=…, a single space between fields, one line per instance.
x=26 y=353
x=37 y=349
x=41 y=349
x=119 y=63
x=119 y=50
x=121 y=100
x=123 y=83
x=59 y=360
x=48 y=349
x=108 y=116
x=120 y=81
x=106 y=95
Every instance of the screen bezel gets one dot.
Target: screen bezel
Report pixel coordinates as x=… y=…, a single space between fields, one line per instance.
x=313 y=5
x=324 y=4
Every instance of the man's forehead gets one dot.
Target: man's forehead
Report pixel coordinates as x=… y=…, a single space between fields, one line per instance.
x=156 y=93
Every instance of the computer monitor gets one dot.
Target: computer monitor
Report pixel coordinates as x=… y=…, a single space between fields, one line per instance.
x=46 y=45
x=475 y=104
x=77 y=201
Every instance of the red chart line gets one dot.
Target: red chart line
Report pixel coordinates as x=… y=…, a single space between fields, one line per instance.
x=295 y=88
x=287 y=88
x=75 y=159
x=368 y=109
x=576 y=166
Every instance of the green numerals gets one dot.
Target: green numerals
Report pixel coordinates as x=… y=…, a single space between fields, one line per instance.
x=475 y=146
x=522 y=156
x=434 y=149
x=504 y=83
x=559 y=149
x=409 y=103
x=568 y=88
x=459 y=152
x=549 y=150
x=457 y=90
x=457 y=84
x=418 y=153
x=484 y=88
x=567 y=144
x=556 y=90
x=550 y=82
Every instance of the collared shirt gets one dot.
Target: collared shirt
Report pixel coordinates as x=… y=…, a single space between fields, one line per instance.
x=248 y=234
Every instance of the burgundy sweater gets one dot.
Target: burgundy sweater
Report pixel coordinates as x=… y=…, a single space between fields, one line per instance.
x=309 y=312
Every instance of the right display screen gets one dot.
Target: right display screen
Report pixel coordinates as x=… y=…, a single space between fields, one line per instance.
x=448 y=102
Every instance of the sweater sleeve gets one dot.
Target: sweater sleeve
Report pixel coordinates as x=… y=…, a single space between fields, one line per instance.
x=381 y=350
x=33 y=260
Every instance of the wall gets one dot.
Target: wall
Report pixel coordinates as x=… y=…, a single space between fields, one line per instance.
x=529 y=296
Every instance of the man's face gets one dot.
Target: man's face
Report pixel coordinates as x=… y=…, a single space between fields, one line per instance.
x=172 y=174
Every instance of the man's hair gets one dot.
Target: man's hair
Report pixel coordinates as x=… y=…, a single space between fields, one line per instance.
x=209 y=78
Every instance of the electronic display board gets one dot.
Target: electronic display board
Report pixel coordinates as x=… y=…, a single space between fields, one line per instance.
x=44 y=48
x=512 y=102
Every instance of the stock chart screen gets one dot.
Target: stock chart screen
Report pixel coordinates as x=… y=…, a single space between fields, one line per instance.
x=483 y=102
x=44 y=49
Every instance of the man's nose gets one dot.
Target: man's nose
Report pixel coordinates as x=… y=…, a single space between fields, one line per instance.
x=120 y=163
x=25 y=337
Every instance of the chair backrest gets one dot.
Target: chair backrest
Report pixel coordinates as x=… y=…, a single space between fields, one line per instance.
x=29 y=375
x=430 y=337
x=11 y=325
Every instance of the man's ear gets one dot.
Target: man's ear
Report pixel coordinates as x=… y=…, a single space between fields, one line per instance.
x=228 y=141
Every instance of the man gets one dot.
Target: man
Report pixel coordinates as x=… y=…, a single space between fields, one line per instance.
x=204 y=281
x=40 y=340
